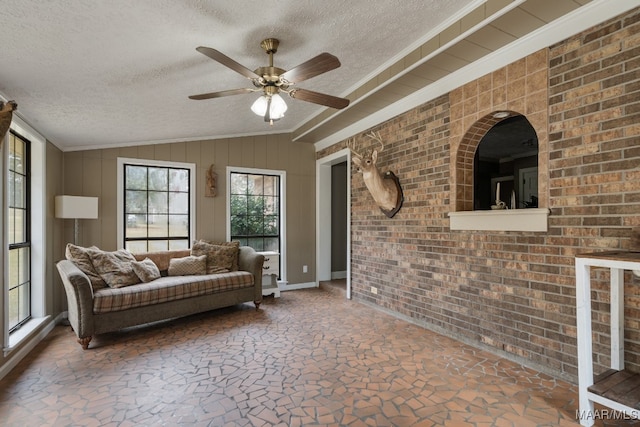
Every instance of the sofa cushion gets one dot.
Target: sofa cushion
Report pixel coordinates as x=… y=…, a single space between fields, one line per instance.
x=80 y=257
x=146 y=270
x=167 y=289
x=234 y=244
x=189 y=265
x=114 y=267
x=220 y=258
x=162 y=258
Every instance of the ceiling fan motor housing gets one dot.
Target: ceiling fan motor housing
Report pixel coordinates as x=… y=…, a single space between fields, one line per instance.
x=271 y=75
x=270 y=45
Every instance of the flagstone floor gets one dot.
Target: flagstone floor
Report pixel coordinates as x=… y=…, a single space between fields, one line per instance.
x=308 y=358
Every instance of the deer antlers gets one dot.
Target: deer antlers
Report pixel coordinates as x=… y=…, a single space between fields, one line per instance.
x=351 y=144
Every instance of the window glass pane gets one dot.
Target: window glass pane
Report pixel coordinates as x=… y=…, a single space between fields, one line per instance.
x=18 y=156
x=158 y=245
x=238 y=225
x=158 y=226
x=14 y=268
x=270 y=205
x=14 y=301
x=24 y=309
x=20 y=196
x=271 y=225
x=158 y=202
x=23 y=266
x=12 y=226
x=20 y=224
x=135 y=202
x=135 y=177
x=271 y=185
x=179 y=180
x=255 y=184
x=136 y=225
x=256 y=243
x=158 y=179
x=238 y=183
x=272 y=244
x=178 y=244
x=178 y=225
x=12 y=188
x=179 y=203
x=136 y=246
x=255 y=205
x=255 y=225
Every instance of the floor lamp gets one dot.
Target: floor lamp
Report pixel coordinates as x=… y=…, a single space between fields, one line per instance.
x=76 y=207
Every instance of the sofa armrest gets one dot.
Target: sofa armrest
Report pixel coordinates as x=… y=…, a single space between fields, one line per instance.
x=251 y=261
x=79 y=298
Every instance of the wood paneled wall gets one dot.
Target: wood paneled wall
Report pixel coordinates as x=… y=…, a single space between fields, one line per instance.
x=93 y=173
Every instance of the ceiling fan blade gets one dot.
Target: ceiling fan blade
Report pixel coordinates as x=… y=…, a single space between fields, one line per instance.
x=319 y=98
x=221 y=93
x=311 y=68
x=228 y=62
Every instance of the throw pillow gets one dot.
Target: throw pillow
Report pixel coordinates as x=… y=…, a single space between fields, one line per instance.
x=146 y=270
x=234 y=244
x=80 y=257
x=114 y=267
x=188 y=266
x=220 y=259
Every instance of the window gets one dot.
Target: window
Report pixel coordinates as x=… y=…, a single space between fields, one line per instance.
x=157 y=205
x=255 y=207
x=18 y=231
x=507 y=159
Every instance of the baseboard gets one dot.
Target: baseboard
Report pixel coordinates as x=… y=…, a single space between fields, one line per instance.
x=338 y=275
x=29 y=345
x=296 y=286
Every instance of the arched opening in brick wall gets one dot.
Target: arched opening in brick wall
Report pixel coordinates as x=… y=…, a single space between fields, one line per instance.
x=506 y=165
x=465 y=158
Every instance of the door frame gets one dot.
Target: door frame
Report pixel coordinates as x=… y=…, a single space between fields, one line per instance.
x=323 y=216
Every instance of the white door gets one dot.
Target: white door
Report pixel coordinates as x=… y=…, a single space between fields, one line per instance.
x=528 y=185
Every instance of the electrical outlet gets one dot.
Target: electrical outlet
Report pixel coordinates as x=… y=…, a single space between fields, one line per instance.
x=374 y=290
x=305 y=269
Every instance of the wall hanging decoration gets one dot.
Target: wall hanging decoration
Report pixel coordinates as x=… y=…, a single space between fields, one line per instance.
x=210 y=189
x=6 y=114
x=384 y=187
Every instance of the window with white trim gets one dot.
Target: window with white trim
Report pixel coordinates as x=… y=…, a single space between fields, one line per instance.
x=157 y=205
x=24 y=217
x=19 y=230
x=255 y=209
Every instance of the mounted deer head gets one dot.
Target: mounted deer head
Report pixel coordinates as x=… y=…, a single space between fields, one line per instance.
x=385 y=188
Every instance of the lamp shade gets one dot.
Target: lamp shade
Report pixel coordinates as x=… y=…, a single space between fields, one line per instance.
x=274 y=103
x=76 y=207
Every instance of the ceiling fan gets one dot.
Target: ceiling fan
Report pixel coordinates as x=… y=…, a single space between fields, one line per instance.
x=273 y=80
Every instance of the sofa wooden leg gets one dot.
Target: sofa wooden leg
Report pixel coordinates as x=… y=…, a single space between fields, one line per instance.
x=84 y=342
x=257 y=303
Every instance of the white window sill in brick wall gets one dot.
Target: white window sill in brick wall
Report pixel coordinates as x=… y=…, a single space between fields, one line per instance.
x=534 y=219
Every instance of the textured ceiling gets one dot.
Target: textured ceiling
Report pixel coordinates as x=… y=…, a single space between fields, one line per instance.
x=119 y=72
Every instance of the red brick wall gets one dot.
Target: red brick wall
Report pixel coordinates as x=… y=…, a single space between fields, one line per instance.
x=513 y=291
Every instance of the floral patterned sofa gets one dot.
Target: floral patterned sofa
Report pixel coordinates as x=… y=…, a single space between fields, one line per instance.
x=108 y=291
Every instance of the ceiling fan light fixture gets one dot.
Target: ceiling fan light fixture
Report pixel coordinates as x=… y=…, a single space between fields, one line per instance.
x=277 y=106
